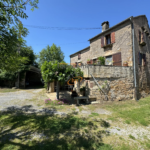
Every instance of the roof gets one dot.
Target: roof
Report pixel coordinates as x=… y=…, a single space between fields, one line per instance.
x=111 y=28
x=34 y=69
x=128 y=19
x=80 y=51
x=116 y=26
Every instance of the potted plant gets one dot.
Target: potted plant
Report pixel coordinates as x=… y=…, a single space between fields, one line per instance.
x=102 y=60
x=88 y=61
x=82 y=90
x=125 y=63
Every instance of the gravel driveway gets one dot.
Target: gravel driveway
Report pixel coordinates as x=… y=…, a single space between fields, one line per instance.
x=12 y=98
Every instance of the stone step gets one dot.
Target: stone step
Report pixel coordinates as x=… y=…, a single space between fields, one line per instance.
x=95 y=102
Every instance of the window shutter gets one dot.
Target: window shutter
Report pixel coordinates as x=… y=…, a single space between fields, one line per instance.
x=139 y=36
x=79 y=56
x=113 y=37
x=117 y=59
x=102 y=41
x=142 y=37
x=140 y=58
x=105 y=41
x=144 y=58
x=91 y=61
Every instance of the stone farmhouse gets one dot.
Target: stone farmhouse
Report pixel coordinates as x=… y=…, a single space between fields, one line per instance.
x=126 y=73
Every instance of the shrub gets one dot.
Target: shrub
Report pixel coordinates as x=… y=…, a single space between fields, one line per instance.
x=102 y=60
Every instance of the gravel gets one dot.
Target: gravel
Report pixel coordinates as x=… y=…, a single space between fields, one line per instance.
x=126 y=130
x=8 y=99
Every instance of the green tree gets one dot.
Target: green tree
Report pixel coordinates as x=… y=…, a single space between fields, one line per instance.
x=10 y=11
x=51 y=53
x=54 y=71
x=11 y=76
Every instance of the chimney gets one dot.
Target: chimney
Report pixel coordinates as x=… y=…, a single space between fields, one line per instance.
x=105 y=26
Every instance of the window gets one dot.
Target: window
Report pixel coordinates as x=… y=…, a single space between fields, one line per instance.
x=141 y=38
x=108 y=40
x=94 y=61
x=108 y=60
x=79 y=56
x=142 y=59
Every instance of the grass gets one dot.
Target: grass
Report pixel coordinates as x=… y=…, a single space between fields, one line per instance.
x=5 y=90
x=62 y=133
x=74 y=131
x=132 y=137
x=131 y=111
x=93 y=114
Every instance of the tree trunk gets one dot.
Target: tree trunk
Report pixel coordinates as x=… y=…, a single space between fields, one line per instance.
x=57 y=89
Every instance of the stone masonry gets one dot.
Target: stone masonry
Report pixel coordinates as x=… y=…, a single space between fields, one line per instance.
x=143 y=72
x=120 y=81
x=123 y=44
x=122 y=84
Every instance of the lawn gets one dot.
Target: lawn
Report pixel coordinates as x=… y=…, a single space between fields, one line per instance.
x=5 y=90
x=53 y=132
x=76 y=131
x=136 y=112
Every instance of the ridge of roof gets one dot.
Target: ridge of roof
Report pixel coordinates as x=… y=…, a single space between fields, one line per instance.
x=80 y=51
x=110 y=28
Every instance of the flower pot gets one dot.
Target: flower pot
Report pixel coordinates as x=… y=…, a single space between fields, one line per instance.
x=125 y=64
x=88 y=62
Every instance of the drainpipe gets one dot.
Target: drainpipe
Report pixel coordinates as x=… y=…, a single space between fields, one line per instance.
x=134 y=65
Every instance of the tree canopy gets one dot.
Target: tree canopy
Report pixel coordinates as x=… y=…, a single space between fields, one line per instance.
x=55 y=71
x=10 y=37
x=51 y=53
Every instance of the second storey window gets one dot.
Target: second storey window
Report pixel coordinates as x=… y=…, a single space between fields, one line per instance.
x=108 y=39
x=141 y=38
x=79 y=56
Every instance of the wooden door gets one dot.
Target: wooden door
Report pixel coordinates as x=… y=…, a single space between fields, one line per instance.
x=117 y=59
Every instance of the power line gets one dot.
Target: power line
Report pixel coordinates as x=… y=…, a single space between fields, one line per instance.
x=61 y=28
x=63 y=43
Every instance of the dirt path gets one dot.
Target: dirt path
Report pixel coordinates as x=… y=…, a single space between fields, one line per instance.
x=16 y=98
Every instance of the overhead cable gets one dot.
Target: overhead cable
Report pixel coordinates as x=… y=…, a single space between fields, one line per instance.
x=60 y=28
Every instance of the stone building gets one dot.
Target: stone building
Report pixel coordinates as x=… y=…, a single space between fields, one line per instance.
x=126 y=43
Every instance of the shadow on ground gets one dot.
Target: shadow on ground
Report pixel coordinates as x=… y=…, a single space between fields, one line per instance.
x=25 y=128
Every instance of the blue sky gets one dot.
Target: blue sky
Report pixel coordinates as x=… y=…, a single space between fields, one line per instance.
x=80 y=14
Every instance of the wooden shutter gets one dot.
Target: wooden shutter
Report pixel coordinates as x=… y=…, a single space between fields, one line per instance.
x=113 y=37
x=139 y=58
x=91 y=61
x=102 y=41
x=142 y=37
x=139 y=37
x=117 y=59
x=144 y=58
x=79 y=56
x=105 y=41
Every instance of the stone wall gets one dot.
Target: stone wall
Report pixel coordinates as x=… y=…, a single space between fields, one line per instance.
x=143 y=72
x=107 y=71
x=123 y=44
x=119 y=79
x=85 y=54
